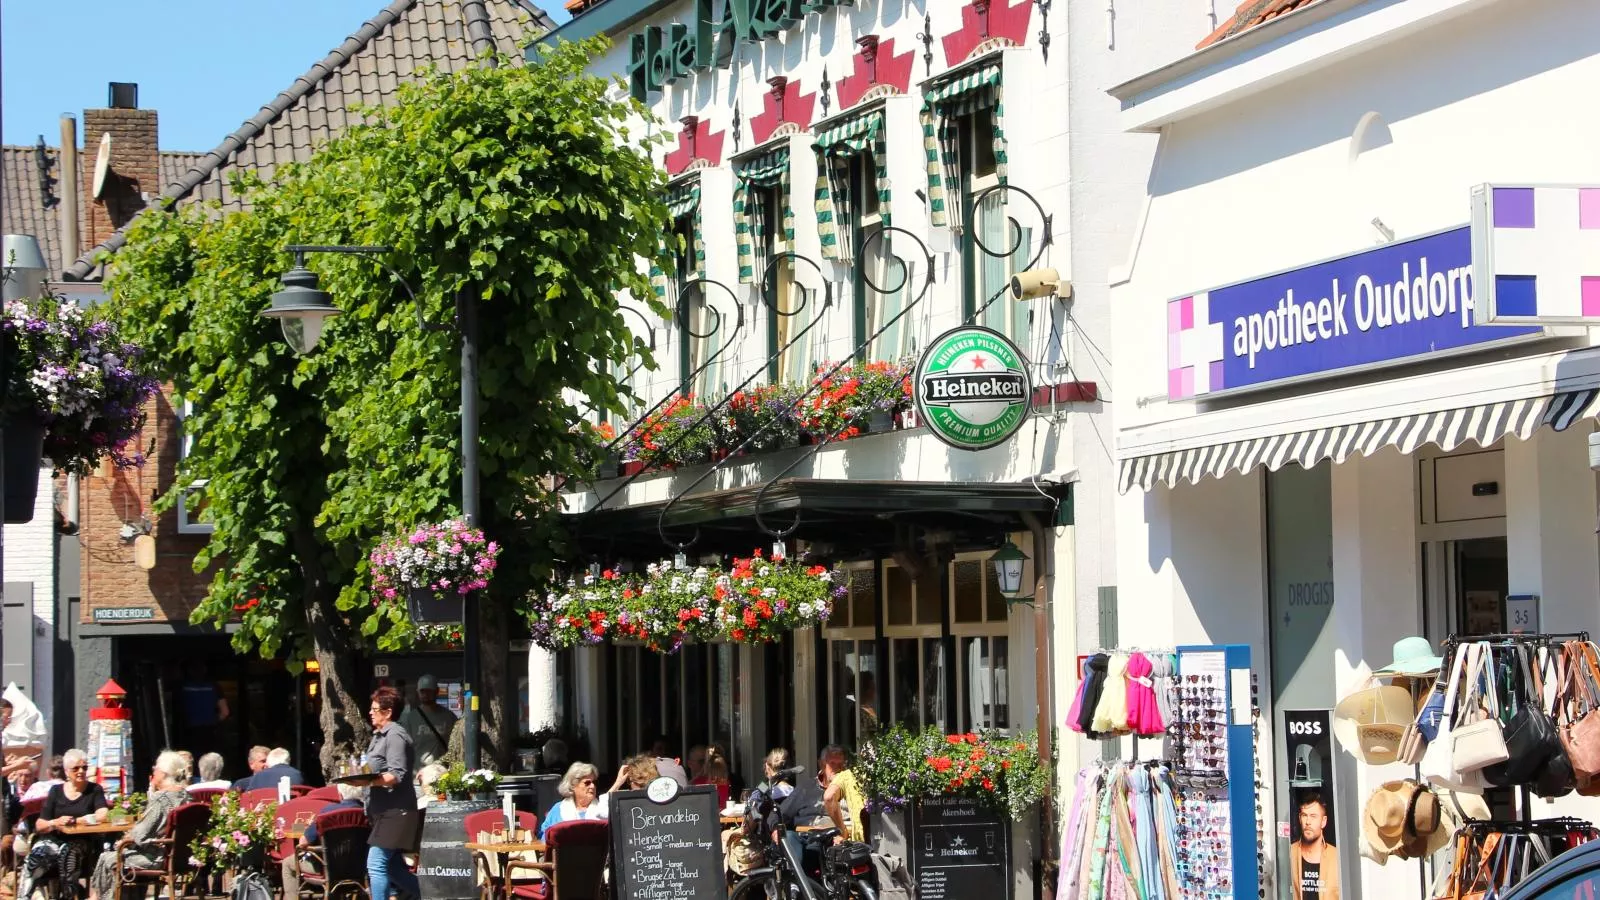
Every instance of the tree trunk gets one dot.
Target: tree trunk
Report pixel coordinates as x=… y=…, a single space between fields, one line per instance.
x=344 y=724
x=498 y=706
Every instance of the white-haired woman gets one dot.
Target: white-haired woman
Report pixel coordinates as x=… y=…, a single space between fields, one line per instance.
x=75 y=801
x=169 y=781
x=580 y=791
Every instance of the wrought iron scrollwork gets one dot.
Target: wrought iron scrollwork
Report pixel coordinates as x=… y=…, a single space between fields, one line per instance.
x=1014 y=230
x=650 y=329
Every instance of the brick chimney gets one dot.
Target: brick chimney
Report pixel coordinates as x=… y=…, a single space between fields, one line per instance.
x=133 y=178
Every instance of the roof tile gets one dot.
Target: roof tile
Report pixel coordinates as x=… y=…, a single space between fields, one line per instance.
x=1250 y=14
x=364 y=70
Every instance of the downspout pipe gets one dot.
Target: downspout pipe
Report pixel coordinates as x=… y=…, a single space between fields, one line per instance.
x=1041 y=677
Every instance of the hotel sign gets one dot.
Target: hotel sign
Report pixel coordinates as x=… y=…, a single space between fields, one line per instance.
x=661 y=54
x=1398 y=303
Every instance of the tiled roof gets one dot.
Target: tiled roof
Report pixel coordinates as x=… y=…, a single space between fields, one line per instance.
x=366 y=70
x=30 y=205
x=1250 y=14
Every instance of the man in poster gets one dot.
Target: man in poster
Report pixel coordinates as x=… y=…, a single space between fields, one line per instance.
x=1313 y=860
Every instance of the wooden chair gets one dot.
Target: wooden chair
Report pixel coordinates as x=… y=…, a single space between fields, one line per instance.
x=576 y=854
x=286 y=816
x=341 y=855
x=258 y=798
x=176 y=874
x=491 y=881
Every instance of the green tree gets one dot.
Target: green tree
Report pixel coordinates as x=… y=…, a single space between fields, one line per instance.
x=530 y=186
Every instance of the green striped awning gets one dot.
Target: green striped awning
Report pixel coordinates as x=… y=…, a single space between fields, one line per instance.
x=683 y=199
x=754 y=176
x=943 y=105
x=837 y=147
x=983 y=76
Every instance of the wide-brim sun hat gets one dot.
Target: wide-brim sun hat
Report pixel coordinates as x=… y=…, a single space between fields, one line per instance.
x=1413 y=656
x=1403 y=819
x=1370 y=722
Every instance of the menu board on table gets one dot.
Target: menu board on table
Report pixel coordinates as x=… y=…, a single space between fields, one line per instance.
x=665 y=843
x=961 y=849
x=444 y=867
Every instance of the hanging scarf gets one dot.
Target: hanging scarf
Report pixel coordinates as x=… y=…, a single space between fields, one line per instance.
x=1111 y=713
x=1144 y=828
x=1094 y=683
x=1143 y=716
x=1075 y=713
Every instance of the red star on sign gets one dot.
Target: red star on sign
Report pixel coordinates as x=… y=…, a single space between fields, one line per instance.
x=978 y=361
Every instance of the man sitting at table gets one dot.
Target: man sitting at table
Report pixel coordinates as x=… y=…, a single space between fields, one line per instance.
x=277 y=767
x=299 y=862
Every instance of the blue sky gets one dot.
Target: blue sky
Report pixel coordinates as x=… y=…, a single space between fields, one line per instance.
x=205 y=66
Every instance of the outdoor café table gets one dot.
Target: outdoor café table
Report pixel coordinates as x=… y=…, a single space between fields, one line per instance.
x=733 y=820
x=507 y=848
x=103 y=828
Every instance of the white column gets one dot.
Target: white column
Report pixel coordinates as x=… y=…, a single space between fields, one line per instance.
x=1550 y=527
x=1376 y=587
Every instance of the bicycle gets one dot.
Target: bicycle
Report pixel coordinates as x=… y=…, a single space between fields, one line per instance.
x=845 y=872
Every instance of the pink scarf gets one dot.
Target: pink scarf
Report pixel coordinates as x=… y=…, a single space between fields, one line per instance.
x=1144 y=716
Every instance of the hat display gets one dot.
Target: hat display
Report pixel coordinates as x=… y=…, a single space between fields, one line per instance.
x=1370 y=722
x=1403 y=819
x=1413 y=656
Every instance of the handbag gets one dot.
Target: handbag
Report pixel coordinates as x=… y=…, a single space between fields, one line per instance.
x=1477 y=740
x=1432 y=711
x=1579 y=720
x=1530 y=736
x=1437 y=767
x=1412 y=746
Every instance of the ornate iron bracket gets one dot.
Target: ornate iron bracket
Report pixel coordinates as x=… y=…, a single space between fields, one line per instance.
x=926 y=37
x=905 y=273
x=1015 y=232
x=650 y=329
x=1044 y=28
x=769 y=298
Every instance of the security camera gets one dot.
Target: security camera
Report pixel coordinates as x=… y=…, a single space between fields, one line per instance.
x=1035 y=283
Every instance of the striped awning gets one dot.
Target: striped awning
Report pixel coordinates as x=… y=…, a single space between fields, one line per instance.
x=1482 y=425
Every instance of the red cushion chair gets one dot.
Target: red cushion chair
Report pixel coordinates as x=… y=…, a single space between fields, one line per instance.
x=258 y=797
x=329 y=793
x=493 y=883
x=340 y=855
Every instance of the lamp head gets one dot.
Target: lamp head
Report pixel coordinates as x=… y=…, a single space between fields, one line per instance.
x=301 y=308
x=1036 y=283
x=1008 y=562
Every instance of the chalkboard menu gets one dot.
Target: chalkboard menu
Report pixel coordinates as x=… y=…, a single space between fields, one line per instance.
x=960 y=849
x=445 y=866
x=665 y=843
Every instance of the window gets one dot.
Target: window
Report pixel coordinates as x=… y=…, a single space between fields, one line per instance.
x=852 y=661
x=192 y=501
x=878 y=270
x=689 y=697
x=790 y=306
x=699 y=331
x=916 y=664
x=990 y=270
x=979 y=620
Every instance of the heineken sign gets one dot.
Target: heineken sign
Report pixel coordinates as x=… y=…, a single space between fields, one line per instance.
x=660 y=55
x=972 y=388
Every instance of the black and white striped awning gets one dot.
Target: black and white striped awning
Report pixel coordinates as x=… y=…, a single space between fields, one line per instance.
x=1450 y=428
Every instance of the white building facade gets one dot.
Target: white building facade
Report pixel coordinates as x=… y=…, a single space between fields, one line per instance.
x=959 y=145
x=1320 y=451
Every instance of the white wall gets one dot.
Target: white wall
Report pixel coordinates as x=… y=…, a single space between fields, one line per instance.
x=30 y=555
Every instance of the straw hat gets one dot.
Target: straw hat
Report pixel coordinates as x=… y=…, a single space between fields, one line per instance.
x=1405 y=820
x=1370 y=722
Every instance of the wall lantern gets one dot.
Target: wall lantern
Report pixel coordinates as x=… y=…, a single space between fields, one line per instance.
x=301 y=308
x=1008 y=561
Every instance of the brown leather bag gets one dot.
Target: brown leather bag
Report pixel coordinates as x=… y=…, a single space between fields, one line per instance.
x=1474 y=872
x=1580 y=719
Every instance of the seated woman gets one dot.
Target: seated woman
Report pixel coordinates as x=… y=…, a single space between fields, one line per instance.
x=716 y=772
x=168 y=783
x=582 y=798
x=635 y=775
x=76 y=801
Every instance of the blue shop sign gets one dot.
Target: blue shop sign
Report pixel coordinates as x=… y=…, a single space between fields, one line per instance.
x=1383 y=307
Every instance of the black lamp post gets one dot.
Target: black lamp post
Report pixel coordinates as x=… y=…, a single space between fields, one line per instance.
x=302 y=308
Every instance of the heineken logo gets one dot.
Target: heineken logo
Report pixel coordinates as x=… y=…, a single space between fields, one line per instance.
x=973 y=388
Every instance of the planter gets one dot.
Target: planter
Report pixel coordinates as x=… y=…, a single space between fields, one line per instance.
x=24 y=452
x=429 y=606
x=485 y=796
x=631 y=468
x=807 y=439
x=459 y=796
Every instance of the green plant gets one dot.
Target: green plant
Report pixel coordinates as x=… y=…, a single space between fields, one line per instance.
x=457 y=780
x=679 y=434
x=129 y=806
x=898 y=767
x=525 y=184
x=238 y=836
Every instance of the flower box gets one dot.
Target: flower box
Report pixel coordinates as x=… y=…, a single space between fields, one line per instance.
x=433 y=569
x=432 y=608
x=631 y=467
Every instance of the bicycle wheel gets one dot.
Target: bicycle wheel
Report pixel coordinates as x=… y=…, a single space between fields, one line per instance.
x=757 y=887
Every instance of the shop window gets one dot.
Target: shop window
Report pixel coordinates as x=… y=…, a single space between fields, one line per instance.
x=192 y=501
x=852 y=661
x=980 y=622
x=990 y=270
x=916 y=664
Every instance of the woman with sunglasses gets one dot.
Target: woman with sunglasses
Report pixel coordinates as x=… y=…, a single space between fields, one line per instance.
x=76 y=801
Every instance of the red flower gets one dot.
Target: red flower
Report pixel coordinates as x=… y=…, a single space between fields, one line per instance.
x=609 y=575
x=738 y=634
x=749 y=619
x=940 y=764
x=756 y=555
x=953 y=738
x=988 y=785
x=1005 y=763
x=627 y=593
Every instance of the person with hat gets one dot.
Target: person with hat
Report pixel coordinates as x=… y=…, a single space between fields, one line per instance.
x=1313 y=859
x=428 y=723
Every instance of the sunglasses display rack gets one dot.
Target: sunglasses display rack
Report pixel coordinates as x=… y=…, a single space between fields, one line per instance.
x=1214 y=771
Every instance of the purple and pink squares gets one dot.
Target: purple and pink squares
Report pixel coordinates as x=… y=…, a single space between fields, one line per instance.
x=1591 y=296
x=1214 y=373
x=1513 y=208
x=1180 y=382
x=1180 y=315
x=1589 y=208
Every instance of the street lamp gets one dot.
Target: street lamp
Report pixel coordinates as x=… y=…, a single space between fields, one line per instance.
x=302 y=308
x=1007 y=563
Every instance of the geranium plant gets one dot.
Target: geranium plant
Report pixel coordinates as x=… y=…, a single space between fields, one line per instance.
x=69 y=371
x=238 y=836
x=764 y=416
x=445 y=558
x=752 y=600
x=678 y=434
x=899 y=767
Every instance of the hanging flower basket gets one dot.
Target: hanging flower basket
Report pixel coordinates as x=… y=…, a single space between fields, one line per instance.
x=898 y=767
x=753 y=600
x=24 y=452
x=436 y=567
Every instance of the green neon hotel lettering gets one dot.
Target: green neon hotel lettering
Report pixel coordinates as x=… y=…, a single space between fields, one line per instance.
x=657 y=57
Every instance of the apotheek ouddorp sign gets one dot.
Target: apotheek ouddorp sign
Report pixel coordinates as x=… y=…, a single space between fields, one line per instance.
x=660 y=54
x=972 y=388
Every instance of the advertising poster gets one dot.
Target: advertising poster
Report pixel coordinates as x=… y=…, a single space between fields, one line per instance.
x=1313 y=841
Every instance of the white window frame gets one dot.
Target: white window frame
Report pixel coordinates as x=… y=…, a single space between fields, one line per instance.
x=919 y=631
x=854 y=634
x=1007 y=316
x=186 y=523
x=987 y=630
